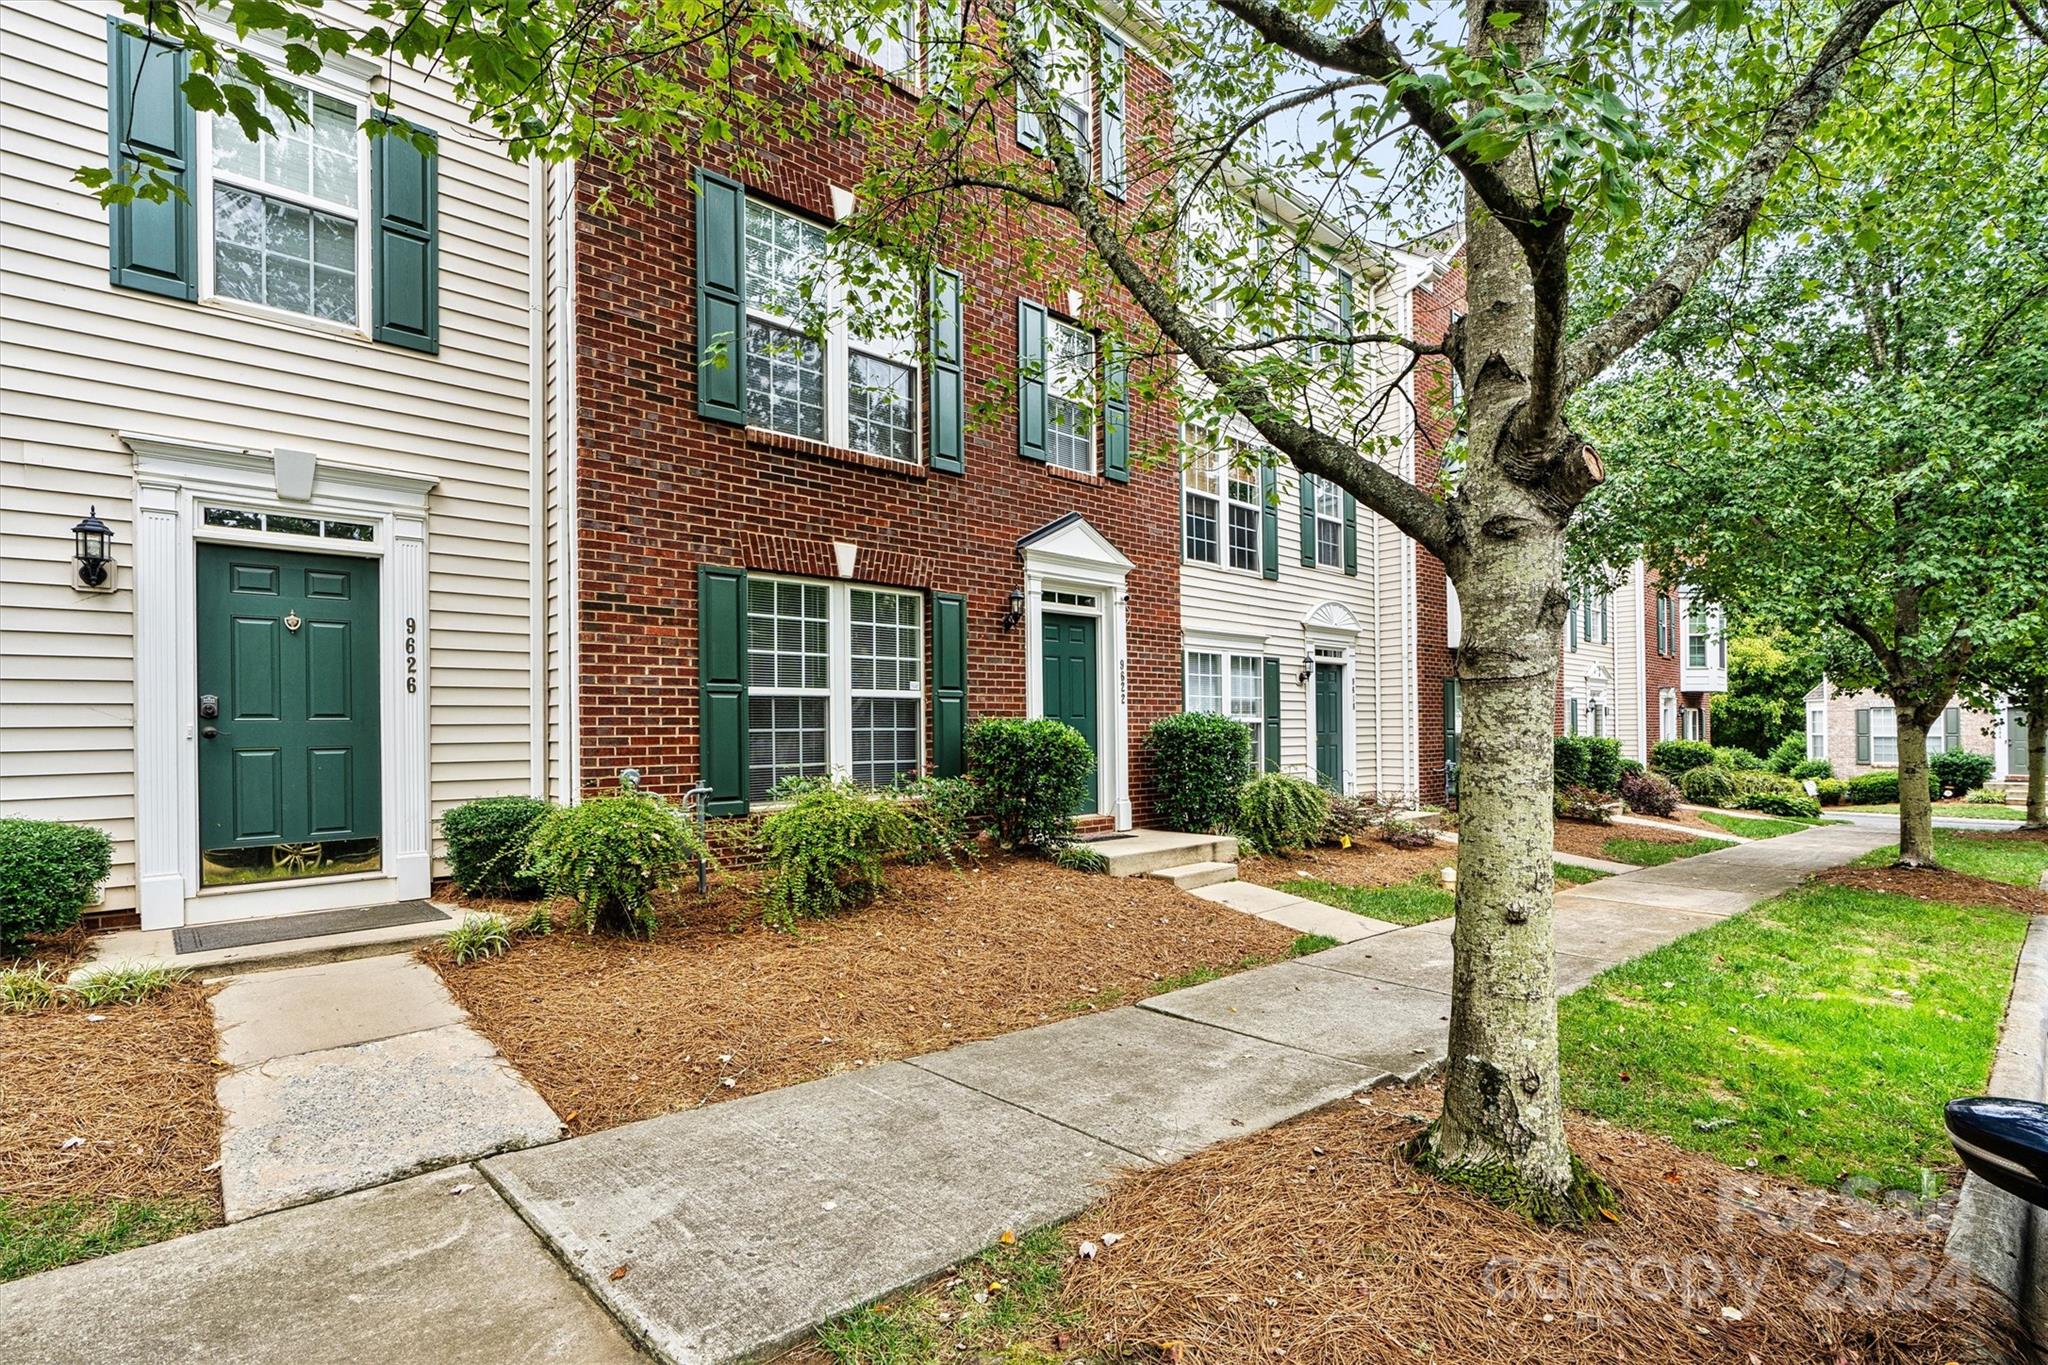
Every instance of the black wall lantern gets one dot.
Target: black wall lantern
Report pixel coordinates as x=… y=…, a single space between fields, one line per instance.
x=1016 y=611
x=94 y=542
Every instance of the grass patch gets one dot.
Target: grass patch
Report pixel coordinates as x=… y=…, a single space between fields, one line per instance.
x=1416 y=901
x=1200 y=976
x=1754 y=826
x=37 y=1237
x=1311 y=943
x=1656 y=853
x=1577 y=876
x=2013 y=859
x=983 y=1311
x=1971 y=810
x=1818 y=1035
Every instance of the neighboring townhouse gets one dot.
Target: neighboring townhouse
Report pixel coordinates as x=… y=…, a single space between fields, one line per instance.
x=1685 y=652
x=798 y=557
x=300 y=402
x=1858 y=732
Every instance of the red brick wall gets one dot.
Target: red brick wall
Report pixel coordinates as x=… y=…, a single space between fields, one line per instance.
x=661 y=490
x=1435 y=422
x=1659 y=672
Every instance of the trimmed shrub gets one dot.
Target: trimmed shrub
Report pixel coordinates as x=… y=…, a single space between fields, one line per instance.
x=1707 y=785
x=1581 y=803
x=1199 y=760
x=1631 y=765
x=1277 y=813
x=1881 y=789
x=478 y=937
x=1603 y=764
x=1033 y=775
x=1795 y=805
x=48 y=873
x=1081 y=858
x=1569 y=761
x=1789 y=754
x=1648 y=794
x=1831 y=790
x=1815 y=768
x=1737 y=759
x=941 y=811
x=611 y=854
x=1674 y=756
x=1757 y=780
x=824 y=849
x=1959 y=770
x=487 y=845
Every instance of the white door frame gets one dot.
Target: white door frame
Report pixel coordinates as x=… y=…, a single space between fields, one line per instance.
x=176 y=480
x=1333 y=626
x=1069 y=555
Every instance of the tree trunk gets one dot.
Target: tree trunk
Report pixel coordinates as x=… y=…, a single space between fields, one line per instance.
x=2037 y=756
x=1916 y=812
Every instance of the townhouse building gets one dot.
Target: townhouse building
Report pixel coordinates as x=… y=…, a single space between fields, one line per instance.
x=1858 y=732
x=271 y=493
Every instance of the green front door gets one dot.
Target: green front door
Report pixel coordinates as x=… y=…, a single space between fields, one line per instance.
x=1330 y=725
x=289 y=780
x=1070 y=677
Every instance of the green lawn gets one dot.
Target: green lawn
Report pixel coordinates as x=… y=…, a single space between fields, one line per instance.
x=1963 y=809
x=1652 y=853
x=1818 y=1034
x=979 y=1313
x=1578 y=876
x=1755 y=826
x=37 y=1237
x=1998 y=857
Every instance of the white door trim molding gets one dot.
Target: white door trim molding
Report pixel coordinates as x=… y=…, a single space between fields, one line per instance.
x=175 y=479
x=1069 y=555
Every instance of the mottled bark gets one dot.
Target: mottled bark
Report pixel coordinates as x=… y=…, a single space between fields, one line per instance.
x=2037 y=756
x=1916 y=811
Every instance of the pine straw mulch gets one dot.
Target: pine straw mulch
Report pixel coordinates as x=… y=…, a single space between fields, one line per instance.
x=1589 y=840
x=1314 y=1242
x=1939 y=884
x=134 y=1081
x=1367 y=863
x=612 y=1030
x=59 y=952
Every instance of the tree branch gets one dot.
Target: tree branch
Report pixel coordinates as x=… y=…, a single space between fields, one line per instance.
x=1738 y=205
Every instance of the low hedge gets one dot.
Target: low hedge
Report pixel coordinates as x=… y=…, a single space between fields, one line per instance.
x=487 y=845
x=1788 y=755
x=1570 y=761
x=1033 y=776
x=1814 y=768
x=1707 y=785
x=1830 y=790
x=1796 y=805
x=1881 y=789
x=1961 y=771
x=1199 y=760
x=49 y=872
x=1672 y=757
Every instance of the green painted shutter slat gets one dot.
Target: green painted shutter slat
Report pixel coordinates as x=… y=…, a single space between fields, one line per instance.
x=1350 y=535
x=949 y=684
x=722 y=687
x=151 y=247
x=1451 y=736
x=1344 y=313
x=1272 y=716
x=1114 y=161
x=1031 y=379
x=1269 y=523
x=721 y=298
x=1571 y=715
x=948 y=382
x=1306 y=500
x=1571 y=622
x=1863 y=734
x=405 y=257
x=1116 y=415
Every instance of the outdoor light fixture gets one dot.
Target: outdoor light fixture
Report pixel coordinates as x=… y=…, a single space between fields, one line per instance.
x=1016 y=611
x=94 y=542
x=1308 y=665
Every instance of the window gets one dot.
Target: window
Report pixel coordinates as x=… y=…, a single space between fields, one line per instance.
x=1063 y=66
x=831 y=338
x=1816 y=732
x=1205 y=683
x=915 y=44
x=289 y=524
x=1884 y=736
x=1951 y=722
x=1231 y=685
x=285 y=210
x=1329 y=524
x=1695 y=723
x=835 y=679
x=1248 y=693
x=1696 y=636
x=1222 y=507
x=1247 y=510
x=1070 y=397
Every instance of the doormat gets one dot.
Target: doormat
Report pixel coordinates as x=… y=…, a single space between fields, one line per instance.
x=200 y=938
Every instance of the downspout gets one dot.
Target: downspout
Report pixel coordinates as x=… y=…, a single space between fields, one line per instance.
x=536 y=472
x=570 y=777
x=1641 y=644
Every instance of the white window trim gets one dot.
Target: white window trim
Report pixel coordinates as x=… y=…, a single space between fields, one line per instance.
x=838 y=690
x=1220 y=464
x=1078 y=558
x=1890 y=736
x=1816 y=728
x=1668 y=725
x=205 y=178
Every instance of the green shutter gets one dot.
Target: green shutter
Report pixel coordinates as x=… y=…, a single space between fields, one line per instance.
x=948 y=382
x=1031 y=379
x=722 y=687
x=1269 y=523
x=1305 y=490
x=1450 y=737
x=1116 y=414
x=1272 y=717
x=721 y=298
x=152 y=247
x=1571 y=715
x=1863 y=734
x=1571 y=621
x=1114 y=160
x=949 y=684
x=405 y=267
x=1350 y=535
x=1344 y=314
x=1663 y=626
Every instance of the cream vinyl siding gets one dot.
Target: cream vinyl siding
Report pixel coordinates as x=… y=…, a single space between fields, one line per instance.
x=83 y=360
x=1620 y=657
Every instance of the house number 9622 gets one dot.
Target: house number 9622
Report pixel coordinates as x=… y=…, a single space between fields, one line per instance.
x=412 y=654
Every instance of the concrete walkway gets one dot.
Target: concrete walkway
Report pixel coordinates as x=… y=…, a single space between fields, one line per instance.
x=722 y=1233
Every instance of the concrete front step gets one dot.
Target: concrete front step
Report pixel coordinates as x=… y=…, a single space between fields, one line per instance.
x=1148 y=850
x=1189 y=876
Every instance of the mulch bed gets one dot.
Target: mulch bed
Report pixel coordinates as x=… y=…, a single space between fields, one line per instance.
x=1939 y=884
x=613 y=1030
x=1313 y=1241
x=1366 y=863
x=59 y=952
x=134 y=1081
x=1590 y=840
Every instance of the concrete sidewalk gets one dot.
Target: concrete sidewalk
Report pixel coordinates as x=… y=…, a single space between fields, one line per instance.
x=719 y=1234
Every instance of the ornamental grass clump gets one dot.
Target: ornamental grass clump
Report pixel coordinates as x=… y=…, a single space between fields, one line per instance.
x=612 y=854
x=825 y=849
x=478 y=937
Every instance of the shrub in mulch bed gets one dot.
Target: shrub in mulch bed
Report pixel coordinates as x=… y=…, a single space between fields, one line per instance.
x=1314 y=1241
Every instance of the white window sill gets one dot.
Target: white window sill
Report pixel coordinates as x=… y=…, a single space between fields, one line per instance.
x=288 y=321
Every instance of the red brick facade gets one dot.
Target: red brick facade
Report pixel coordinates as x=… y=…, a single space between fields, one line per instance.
x=1661 y=671
x=1435 y=424
x=661 y=490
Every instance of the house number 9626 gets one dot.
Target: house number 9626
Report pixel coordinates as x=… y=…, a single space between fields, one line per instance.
x=412 y=654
